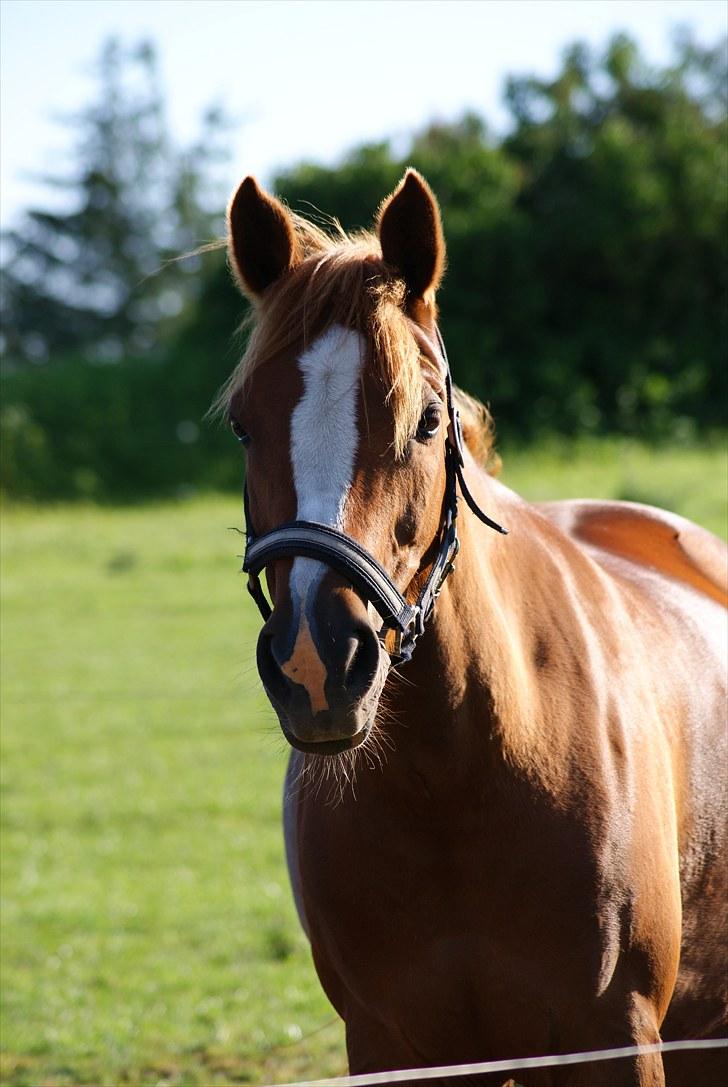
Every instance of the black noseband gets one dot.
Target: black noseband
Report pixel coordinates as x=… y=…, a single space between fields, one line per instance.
x=402 y=623
x=312 y=540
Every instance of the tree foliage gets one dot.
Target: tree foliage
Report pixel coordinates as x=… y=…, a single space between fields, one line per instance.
x=587 y=251
x=586 y=289
x=85 y=278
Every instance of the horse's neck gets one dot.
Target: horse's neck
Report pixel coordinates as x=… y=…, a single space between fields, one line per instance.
x=475 y=672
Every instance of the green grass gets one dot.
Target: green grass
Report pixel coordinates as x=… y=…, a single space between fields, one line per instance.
x=690 y=480
x=148 y=931
x=149 y=934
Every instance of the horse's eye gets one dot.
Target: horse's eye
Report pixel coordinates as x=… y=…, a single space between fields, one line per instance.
x=429 y=423
x=242 y=435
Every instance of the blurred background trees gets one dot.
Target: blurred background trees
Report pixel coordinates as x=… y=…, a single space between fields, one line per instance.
x=85 y=279
x=586 y=289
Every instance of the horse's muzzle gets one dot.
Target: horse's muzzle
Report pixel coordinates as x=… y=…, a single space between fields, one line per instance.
x=323 y=676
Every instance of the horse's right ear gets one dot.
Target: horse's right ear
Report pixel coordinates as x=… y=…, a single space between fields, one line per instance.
x=262 y=240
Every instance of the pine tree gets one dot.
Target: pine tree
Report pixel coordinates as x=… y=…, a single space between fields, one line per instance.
x=85 y=280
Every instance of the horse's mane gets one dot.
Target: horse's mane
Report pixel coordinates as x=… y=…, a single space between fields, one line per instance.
x=343 y=280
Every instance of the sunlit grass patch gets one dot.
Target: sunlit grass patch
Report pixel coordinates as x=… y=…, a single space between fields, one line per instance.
x=691 y=480
x=148 y=930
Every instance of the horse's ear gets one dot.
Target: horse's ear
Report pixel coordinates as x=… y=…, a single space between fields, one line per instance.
x=261 y=238
x=410 y=232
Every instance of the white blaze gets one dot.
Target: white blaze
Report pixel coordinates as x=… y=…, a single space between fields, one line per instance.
x=325 y=437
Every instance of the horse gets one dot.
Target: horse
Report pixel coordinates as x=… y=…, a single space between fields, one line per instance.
x=505 y=810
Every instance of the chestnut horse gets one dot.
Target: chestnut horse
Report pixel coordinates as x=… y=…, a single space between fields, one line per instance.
x=523 y=852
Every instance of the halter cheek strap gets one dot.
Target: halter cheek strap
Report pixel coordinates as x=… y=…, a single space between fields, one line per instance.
x=402 y=623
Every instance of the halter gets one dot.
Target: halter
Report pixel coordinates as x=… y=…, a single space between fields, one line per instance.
x=402 y=623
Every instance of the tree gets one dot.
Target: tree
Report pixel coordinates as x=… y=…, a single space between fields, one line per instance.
x=84 y=279
x=625 y=188
x=586 y=285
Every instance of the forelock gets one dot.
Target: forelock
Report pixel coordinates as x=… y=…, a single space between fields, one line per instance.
x=343 y=280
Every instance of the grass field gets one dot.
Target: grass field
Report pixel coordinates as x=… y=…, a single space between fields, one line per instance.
x=148 y=932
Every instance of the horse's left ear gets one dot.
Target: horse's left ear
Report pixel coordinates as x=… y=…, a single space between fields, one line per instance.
x=410 y=232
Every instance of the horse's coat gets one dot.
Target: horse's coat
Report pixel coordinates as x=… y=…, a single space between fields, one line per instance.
x=526 y=850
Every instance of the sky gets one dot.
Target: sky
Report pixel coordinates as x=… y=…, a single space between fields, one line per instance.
x=305 y=79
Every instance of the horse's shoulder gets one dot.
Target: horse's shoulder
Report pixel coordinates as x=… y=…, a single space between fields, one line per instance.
x=648 y=537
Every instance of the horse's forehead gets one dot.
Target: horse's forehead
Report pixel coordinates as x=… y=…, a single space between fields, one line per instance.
x=322 y=381
x=332 y=366
x=324 y=424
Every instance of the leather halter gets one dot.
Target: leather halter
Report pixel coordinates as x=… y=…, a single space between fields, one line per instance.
x=402 y=623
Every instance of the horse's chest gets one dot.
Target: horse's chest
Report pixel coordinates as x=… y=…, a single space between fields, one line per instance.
x=424 y=950
x=443 y=912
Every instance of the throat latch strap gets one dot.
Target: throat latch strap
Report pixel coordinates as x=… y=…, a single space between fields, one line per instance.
x=456 y=444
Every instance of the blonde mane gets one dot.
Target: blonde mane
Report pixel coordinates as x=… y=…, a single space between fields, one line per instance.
x=342 y=279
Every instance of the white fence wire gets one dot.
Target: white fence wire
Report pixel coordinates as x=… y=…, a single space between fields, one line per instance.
x=451 y=1071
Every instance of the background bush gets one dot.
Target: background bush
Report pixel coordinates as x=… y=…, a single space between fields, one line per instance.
x=586 y=290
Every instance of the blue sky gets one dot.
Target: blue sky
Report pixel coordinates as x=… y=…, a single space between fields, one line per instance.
x=306 y=78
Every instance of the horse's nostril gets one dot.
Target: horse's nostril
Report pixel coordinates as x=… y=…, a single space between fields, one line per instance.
x=270 y=670
x=362 y=661
x=354 y=647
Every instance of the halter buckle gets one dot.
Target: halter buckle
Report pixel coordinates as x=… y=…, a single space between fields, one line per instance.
x=447 y=568
x=399 y=643
x=392 y=642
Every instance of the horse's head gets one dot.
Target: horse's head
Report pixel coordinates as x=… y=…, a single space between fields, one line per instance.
x=341 y=403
